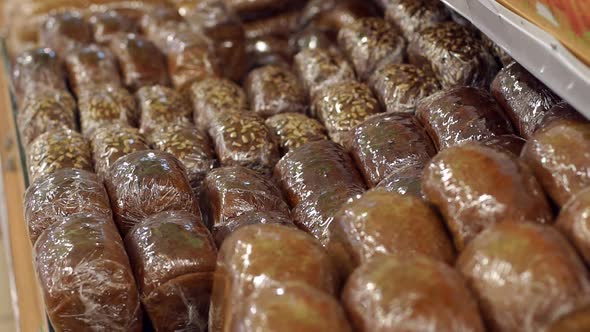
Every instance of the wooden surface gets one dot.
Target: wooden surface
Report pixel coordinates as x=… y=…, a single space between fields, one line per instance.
x=29 y=308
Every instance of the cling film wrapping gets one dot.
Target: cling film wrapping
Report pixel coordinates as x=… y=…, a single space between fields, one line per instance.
x=262 y=256
x=65 y=32
x=35 y=70
x=55 y=196
x=173 y=257
x=161 y=106
x=473 y=201
x=574 y=222
x=108 y=23
x=223 y=231
x=411 y=294
x=85 y=276
x=405 y=180
x=91 y=67
x=525 y=275
x=411 y=16
x=292 y=130
x=213 y=96
x=145 y=183
x=104 y=106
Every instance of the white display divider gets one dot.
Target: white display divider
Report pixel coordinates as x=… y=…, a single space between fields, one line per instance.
x=535 y=49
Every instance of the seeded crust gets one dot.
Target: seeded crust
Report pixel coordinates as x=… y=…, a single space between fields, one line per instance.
x=56 y=150
x=90 y=67
x=113 y=142
x=242 y=139
x=274 y=89
x=343 y=106
x=104 y=106
x=455 y=55
x=213 y=96
x=412 y=16
x=159 y=106
x=370 y=43
x=399 y=87
x=292 y=130
x=318 y=68
x=44 y=111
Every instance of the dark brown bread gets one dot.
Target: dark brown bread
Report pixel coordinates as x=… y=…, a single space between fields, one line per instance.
x=85 y=276
x=58 y=149
x=560 y=111
x=35 y=70
x=415 y=294
x=91 y=67
x=455 y=55
x=107 y=24
x=343 y=106
x=269 y=50
x=412 y=16
x=274 y=89
x=261 y=256
x=252 y=9
x=503 y=189
x=575 y=321
x=399 y=87
x=406 y=180
x=242 y=139
x=229 y=192
x=574 y=222
x=524 y=98
x=161 y=106
x=173 y=256
x=509 y=143
x=250 y=218
x=103 y=106
x=292 y=130
x=370 y=43
x=212 y=97
x=332 y=15
x=65 y=31
x=495 y=262
x=563 y=143
x=61 y=194
x=145 y=183
x=113 y=142
x=310 y=37
x=142 y=63
x=386 y=143
x=462 y=114
x=280 y=25
x=380 y=223
x=314 y=167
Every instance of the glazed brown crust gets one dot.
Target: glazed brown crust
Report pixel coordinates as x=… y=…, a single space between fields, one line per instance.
x=502 y=189
x=386 y=143
x=455 y=55
x=461 y=114
x=524 y=98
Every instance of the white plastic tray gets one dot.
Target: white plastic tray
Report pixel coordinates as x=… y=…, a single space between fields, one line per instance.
x=535 y=49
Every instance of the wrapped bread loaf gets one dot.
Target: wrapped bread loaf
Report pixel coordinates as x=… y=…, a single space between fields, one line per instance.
x=318 y=68
x=145 y=183
x=414 y=294
x=37 y=69
x=191 y=146
x=141 y=62
x=332 y=15
x=61 y=194
x=273 y=308
x=85 y=276
x=91 y=67
x=229 y=192
x=343 y=106
x=113 y=142
x=564 y=143
x=455 y=55
x=268 y=51
x=310 y=38
x=45 y=110
x=262 y=256
x=160 y=106
x=461 y=114
x=370 y=43
x=103 y=106
x=524 y=98
x=223 y=231
x=292 y=130
x=65 y=31
x=380 y=223
x=502 y=189
x=399 y=87
x=107 y=24
x=280 y=25
x=58 y=149
x=242 y=139
x=313 y=167
x=560 y=111
x=405 y=180
x=495 y=262
x=274 y=89
x=508 y=143
x=386 y=143
x=252 y=9
x=214 y=96
x=574 y=222
x=173 y=256
x=412 y=16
